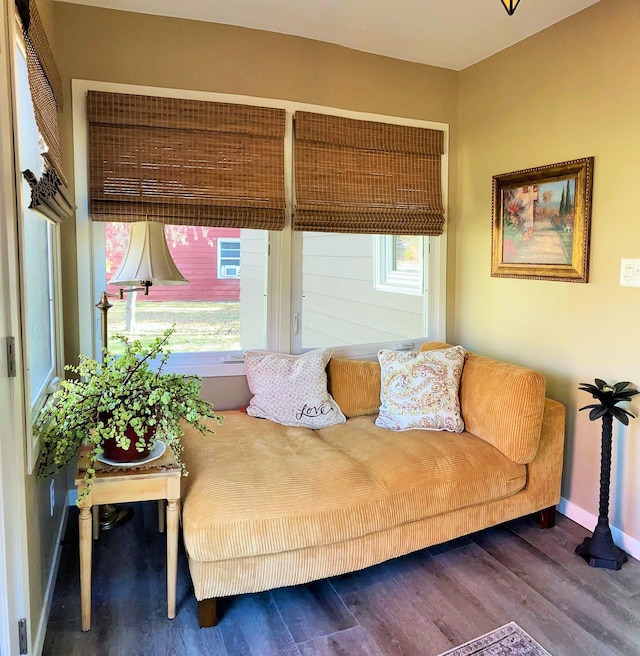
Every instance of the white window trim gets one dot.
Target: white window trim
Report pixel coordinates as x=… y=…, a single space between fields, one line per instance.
x=386 y=277
x=57 y=371
x=284 y=297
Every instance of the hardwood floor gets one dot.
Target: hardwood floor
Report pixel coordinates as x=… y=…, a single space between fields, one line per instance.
x=421 y=604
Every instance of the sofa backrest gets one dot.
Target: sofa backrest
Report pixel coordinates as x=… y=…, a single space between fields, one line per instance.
x=503 y=404
x=354 y=385
x=500 y=403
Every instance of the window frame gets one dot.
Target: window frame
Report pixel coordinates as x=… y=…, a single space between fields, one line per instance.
x=220 y=274
x=32 y=406
x=387 y=277
x=284 y=293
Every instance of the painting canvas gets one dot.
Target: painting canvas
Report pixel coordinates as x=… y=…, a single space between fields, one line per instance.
x=541 y=222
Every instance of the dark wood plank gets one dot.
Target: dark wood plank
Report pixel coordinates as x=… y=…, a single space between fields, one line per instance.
x=459 y=614
x=506 y=597
x=312 y=610
x=437 y=549
x=585 y=604
x=129 y=612
x=632 y=604
x=389 y=613
x=252 y=626
x=350 y=642
x=420 y=604
x=560 y=543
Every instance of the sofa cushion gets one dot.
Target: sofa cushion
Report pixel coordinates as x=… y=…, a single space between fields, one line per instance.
x=354 y=385
x=420 y=389
x=291 y=389
x=256 y=487
x=503 y=404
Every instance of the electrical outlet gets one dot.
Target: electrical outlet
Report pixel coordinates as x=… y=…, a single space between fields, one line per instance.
x=52 y=497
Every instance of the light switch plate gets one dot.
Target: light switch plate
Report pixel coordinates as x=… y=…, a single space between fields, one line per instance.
x=626 y=271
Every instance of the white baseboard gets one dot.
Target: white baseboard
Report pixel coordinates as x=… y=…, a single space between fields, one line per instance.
x=38 y=644
x=589 y=521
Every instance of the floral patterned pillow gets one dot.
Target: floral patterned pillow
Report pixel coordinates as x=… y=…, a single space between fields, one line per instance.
x=420 y=390
x=291 y=389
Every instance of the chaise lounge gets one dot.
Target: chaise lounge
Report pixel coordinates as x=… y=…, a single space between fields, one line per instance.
x=268 y=505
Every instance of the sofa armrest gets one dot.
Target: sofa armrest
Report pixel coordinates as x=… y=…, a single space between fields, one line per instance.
x=544 y=472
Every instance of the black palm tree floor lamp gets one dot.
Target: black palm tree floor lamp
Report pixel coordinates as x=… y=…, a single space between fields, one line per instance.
x=599 y=550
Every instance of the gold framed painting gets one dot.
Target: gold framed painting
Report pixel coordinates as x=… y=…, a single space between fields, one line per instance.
x=541 y=222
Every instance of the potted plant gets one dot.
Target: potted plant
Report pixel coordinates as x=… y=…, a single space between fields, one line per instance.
x=120 y=406
x=599 y=550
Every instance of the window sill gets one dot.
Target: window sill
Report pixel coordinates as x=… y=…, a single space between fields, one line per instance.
x=213 y=365
x=206 y=365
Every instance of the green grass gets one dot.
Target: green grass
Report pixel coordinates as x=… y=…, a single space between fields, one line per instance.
x=200 y=325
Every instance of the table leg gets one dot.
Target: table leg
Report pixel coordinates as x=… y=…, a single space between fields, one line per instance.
x=86 y=539
x=172 y=556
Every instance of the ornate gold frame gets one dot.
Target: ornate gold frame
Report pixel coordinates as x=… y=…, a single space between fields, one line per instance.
x=514 y=226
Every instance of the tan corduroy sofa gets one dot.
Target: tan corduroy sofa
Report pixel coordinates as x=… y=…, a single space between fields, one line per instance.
x=267 y=505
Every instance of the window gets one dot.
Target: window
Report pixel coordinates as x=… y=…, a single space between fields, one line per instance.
x=228 y=258
x=398 y=263
x=213 y=312
x=40 y=265
x=292 y=289
x=341 y=305
x=40 y=311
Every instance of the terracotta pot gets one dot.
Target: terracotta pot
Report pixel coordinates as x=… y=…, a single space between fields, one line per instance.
x=116 y=453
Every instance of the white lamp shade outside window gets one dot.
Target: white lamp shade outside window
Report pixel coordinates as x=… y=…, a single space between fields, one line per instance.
x=147 y=259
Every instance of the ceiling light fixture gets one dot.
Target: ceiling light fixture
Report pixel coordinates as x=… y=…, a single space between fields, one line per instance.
x=510 y=6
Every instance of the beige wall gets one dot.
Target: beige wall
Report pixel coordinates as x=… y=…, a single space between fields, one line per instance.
x=571 y=91
x=115 y=46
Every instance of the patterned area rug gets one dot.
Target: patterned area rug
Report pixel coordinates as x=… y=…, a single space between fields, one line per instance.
x=508 y=640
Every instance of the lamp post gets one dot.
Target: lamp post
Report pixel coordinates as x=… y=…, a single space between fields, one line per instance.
x=147 y=261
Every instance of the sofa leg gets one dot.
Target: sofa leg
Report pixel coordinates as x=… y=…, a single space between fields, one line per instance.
x=547 y=517
x=208 y=613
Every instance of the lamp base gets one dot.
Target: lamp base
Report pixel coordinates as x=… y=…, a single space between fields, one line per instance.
x=112 y=516
x=600 y=551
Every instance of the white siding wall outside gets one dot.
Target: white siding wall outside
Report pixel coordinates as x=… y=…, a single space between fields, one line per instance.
x=340 y=304
x=253 y=271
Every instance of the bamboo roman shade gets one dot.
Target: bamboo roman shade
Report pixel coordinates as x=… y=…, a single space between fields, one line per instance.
x=367 y=177
x=185 y=162
x=44 y=82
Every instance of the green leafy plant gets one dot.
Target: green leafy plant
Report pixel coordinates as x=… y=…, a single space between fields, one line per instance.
x=107 y=398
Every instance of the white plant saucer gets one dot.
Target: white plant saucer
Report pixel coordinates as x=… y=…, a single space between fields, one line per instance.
x=156 y=452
